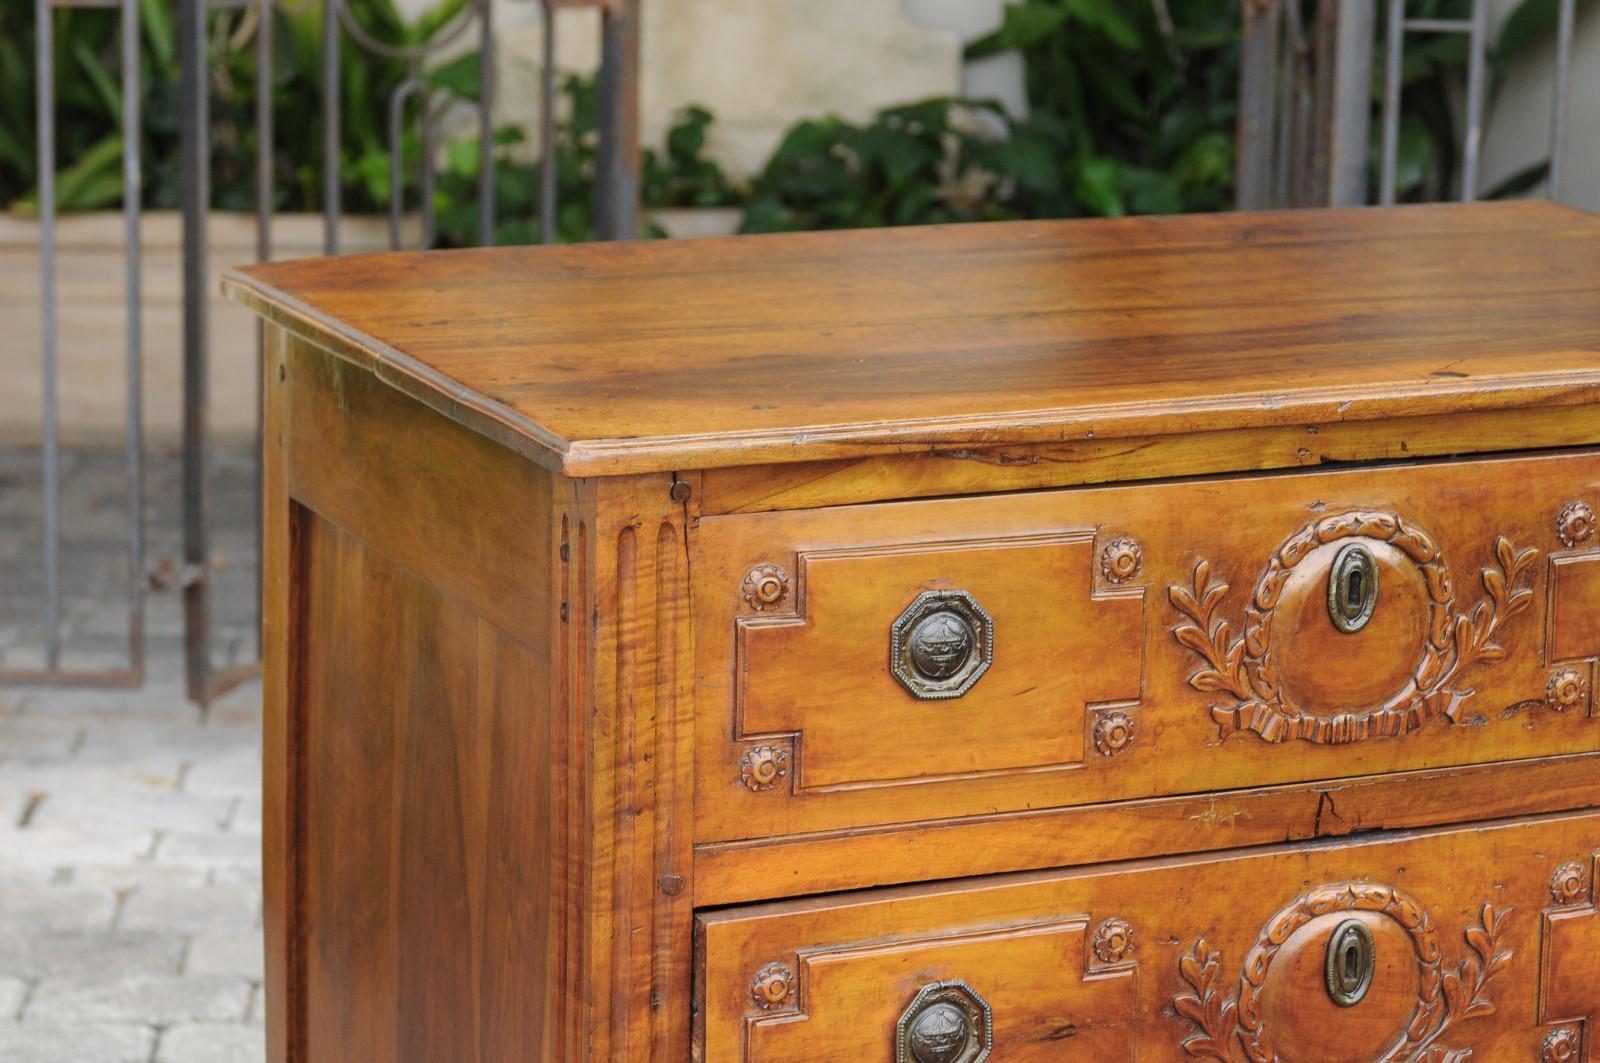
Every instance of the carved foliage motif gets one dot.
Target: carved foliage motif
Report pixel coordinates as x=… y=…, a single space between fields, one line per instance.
x=1243 y=667
x=1232 y=1030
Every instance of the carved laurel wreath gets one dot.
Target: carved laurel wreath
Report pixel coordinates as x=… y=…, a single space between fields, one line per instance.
x=1245 y=668
x=1231 y=1029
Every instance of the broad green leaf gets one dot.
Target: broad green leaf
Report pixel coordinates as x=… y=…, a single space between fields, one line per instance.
x=458 y=76
x=1106 y=15
x=1530 y=22
x=1023 y=25
x=1099 y=186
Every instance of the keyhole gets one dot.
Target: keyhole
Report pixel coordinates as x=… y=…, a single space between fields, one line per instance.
x=1352 y=964
x=1352 y=955
x=1353 y=588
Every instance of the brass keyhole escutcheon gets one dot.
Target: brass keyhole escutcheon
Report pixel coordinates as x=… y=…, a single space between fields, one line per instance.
x=1353 y=588
x=1352 y=959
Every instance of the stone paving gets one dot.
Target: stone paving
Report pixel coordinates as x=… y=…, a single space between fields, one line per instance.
x=130 y=898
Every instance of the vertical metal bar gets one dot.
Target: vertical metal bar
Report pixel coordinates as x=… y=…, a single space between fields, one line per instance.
x=1394 y=48
x=1258 y=83
x=397 y=110
x=547 y=131
x=266 y=147
x=486 y=72
x=1477 y=64
x=194 y=195
x=132 y=194
x=1282 y=153
x=617 y=177
x=1352 y=103
x=330 y=126
x=1563 y=88
x=430 y=216
x=45 y=99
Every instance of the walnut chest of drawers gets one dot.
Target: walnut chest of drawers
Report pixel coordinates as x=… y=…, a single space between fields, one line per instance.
x=1135 y=640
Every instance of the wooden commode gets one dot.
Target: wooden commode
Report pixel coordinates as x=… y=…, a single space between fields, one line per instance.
x=1152 y=639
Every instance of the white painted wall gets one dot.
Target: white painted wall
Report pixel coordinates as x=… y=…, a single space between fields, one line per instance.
x=1518 y=130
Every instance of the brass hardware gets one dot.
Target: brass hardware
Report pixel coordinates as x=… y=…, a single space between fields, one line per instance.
x=1353 y=588
x=1352 y=959
x=947 y=1022
x=941 y=645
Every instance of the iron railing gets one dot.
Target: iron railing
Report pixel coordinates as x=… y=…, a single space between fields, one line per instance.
x=617 y=192
x=1306 y=100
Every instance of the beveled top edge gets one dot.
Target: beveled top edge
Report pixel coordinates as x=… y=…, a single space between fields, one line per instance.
x=655 y=453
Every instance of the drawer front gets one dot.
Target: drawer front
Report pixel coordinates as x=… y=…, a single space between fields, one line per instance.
x=1480 y=942
x=911 y=661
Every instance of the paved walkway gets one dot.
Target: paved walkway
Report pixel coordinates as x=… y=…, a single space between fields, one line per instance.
x=130 y=898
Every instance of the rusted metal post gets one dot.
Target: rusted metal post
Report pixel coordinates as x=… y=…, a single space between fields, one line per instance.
x=194 y=196
x=1349 y=26
x=1258 y=85
x=617 y=180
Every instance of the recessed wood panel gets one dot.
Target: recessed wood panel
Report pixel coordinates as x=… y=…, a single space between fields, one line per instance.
x=1575 y=606
x=1211 y=957
x=424 y=893
x=1148 y=640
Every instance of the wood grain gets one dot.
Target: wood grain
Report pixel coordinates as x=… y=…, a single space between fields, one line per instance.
x=811 y=676
x=1112 y=963
x=611 y=359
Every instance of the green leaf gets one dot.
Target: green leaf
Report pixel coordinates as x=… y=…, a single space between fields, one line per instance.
x=1530 y=22
x=155 y=17
x=459 y=76
x=1099 y=186
x=1149 y=191
x=1029 y=160
x=1023 y=25
x=99 y=78
x=1524 y=180
x=1105 y=15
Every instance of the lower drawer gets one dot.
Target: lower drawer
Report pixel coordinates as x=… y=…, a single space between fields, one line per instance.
x=1427 y=947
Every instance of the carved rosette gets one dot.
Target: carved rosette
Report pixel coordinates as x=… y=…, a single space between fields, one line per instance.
x=772 y=986
x=1576 y=524
x=1113 y=941
x=766 y=587
x=1570 y=884
x=1233 y=1029
x=1458 y=637
x=1561 y=1046
x=1567 y=689
x=1121 y=560
x=764 y=767
x=1113 y=733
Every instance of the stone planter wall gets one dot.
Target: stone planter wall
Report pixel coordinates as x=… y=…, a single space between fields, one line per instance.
x=92 y=328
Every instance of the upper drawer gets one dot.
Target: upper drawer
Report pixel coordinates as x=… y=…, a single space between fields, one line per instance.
x=909 y=661
x=1480 y=941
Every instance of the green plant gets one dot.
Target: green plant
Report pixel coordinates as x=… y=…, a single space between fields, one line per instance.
x=89 y=103
x=682 y=176
x=916 y=164
x=1134 y=104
